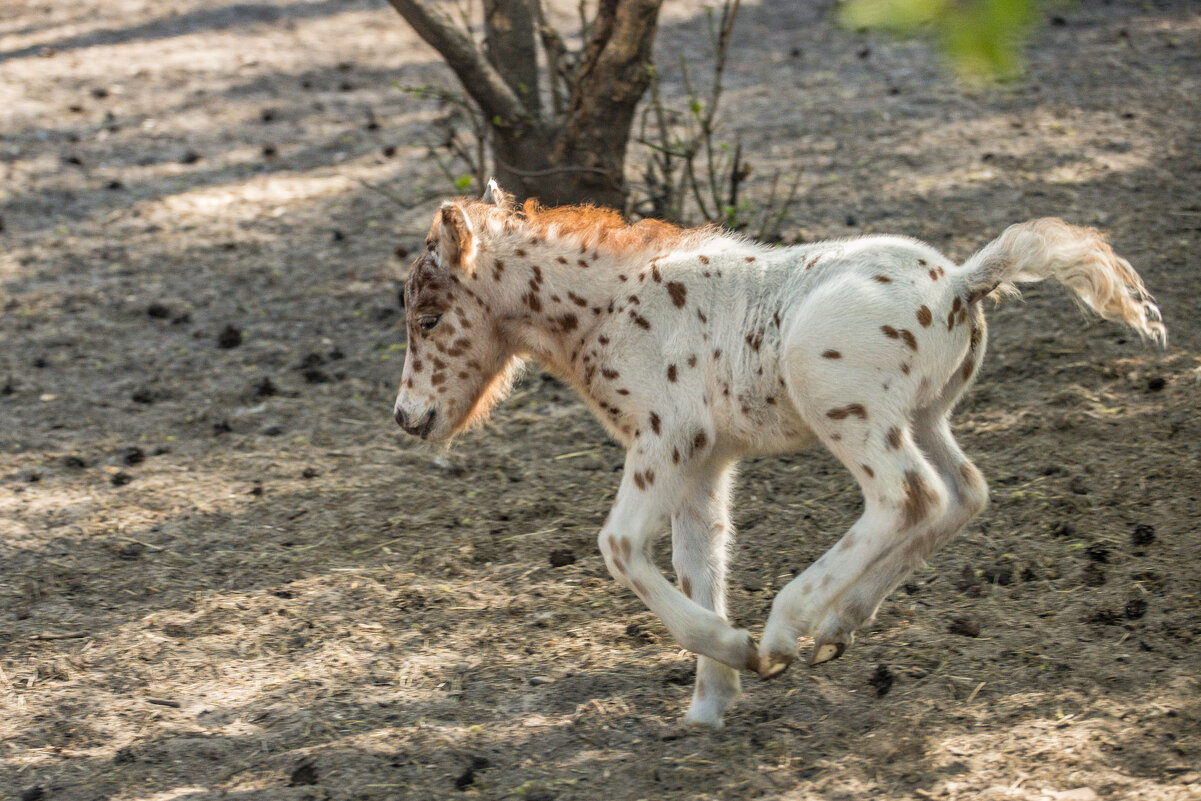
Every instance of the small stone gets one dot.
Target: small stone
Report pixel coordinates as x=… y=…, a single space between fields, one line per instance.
x=881 y=680
x=967 y=626
x=121 y=478
x=124 y=756
x=1093 y=575
x=998 y=574
x=538 y=681
x=133 y=455
x=230 y=337
x=1098 y=553
x=265 y=388
x=310 y=472
x=561 y=557
x=158 y=311
x=304 y=774
x=1143 y=534
x=1135 y=608
x=1156 y=384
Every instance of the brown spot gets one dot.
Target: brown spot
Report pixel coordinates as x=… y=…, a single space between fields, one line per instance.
x=924 y=316
x=918 y=498
x=770 y=400
x=639 y=481
x=532 y=301
x=847 y=541
x=618 y=565
x=626 y=546
x=649 y=475
x=623 y=391
x=921 y=262
x=867 y=469
x=883 y=279
x=417 y=365
x=704 y=259
x=655 y=422
x=905 y=368
x=604 y=340
x=894 y=438
x=692 y=360
x=568 y=322
x=716 y=354
x=890 y=332
x=750 y=259
x=909 y=338
x=831 y=354
x=755 y=340
x=437 y=379
x=686 y=587
x=855 y=409
x=968 y=366
x=675 y=455
x=671 y=373
x=700 y=440
x=561 y=260
x=576 y=299
x=933 y=275
x=609 y=373
x=520 y=253
x=700 y=315
x=582 y=263
x=641 y=321
x=970 y=474
x=678 y=293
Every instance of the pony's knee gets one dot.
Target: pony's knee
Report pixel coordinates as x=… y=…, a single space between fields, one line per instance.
x=616 y=551
x=973 y=489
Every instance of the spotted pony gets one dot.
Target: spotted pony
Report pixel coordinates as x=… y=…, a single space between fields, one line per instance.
x=696 y=348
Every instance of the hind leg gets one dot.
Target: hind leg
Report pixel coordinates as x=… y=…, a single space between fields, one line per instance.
x=932 y=432
x=906 y=506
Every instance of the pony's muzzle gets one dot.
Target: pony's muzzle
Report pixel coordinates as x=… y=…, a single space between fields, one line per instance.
x=418 y=427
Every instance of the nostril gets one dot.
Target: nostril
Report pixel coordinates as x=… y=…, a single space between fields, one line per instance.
x=401 y=420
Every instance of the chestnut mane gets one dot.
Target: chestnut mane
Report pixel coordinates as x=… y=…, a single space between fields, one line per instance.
x=591 y=227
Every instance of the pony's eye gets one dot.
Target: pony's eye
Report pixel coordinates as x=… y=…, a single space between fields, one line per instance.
x=428 y=321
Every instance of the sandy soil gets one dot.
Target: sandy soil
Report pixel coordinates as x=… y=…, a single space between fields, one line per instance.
x=227 y=575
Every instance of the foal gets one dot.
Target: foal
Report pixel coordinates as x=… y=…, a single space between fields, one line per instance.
x=695 y=348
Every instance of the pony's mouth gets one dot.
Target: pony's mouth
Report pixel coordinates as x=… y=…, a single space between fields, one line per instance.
x=419 y=427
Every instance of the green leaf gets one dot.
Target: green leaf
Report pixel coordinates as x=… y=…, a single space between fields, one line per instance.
x=981 y=38
x=463 y=183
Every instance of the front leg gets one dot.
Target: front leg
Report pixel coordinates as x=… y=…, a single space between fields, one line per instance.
x=700 y=534
x=650 y=489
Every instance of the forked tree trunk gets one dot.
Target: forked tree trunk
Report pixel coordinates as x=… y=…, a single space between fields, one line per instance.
x=573 y=154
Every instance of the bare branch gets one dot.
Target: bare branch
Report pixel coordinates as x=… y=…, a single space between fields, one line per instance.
x=479 y=78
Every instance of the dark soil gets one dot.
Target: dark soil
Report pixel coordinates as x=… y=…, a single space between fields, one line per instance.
x=227 y=574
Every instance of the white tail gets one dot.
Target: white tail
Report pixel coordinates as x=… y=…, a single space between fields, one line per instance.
x=1079 y=258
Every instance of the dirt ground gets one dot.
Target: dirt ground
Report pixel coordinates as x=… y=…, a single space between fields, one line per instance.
x=226 y=574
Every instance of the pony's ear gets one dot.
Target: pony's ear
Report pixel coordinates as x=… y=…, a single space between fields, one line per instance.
x=495 y=195
x=456 y=242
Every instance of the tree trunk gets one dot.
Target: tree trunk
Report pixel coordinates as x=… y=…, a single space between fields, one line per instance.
x=579 y=158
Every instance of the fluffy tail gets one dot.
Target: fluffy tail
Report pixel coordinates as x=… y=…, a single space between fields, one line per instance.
x=1079 y=258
